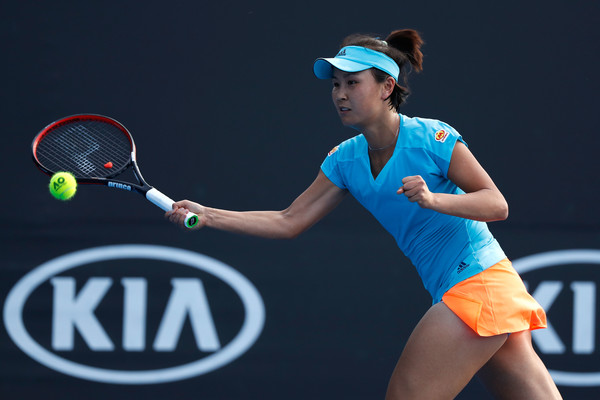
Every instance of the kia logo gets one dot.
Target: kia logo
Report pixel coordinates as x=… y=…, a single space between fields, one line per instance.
x=76 y=295
x=575 y=291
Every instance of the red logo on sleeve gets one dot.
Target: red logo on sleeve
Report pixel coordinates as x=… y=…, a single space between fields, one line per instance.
x=333 y=150
x=441 y=135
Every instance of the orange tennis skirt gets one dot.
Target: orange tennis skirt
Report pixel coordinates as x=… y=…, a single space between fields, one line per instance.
x=495 y=301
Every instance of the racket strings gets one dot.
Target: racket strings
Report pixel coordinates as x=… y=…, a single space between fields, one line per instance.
x=84 y=148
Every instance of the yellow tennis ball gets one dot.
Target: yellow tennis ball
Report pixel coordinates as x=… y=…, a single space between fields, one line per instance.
x=63 y=185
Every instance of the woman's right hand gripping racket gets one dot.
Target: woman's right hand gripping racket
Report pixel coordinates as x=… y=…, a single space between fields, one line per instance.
x=96 y=149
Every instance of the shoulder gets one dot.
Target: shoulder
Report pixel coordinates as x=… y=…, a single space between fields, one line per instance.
x=435 y=138
x=341 y=158
x=349 y=149
x=427 y=132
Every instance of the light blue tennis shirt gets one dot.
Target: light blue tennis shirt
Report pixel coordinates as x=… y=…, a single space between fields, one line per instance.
x=444 y=249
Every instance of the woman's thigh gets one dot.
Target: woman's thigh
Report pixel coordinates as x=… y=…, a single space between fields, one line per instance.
x=516 y=372
x=440 y=358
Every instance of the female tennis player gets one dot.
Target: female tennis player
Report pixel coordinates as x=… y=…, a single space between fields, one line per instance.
x=420 y=180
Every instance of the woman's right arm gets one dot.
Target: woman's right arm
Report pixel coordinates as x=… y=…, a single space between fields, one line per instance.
x=320 y=198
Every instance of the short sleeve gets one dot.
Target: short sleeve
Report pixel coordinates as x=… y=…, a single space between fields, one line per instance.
x=441 y=145
x=331 y=168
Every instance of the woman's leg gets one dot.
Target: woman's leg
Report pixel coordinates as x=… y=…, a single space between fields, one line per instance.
x=440 y=358
x=516 y=372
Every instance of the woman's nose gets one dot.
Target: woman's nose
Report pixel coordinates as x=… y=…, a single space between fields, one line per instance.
x=340 y=95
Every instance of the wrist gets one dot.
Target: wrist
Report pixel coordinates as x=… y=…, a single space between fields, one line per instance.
x=432 y=202
x=208 y=216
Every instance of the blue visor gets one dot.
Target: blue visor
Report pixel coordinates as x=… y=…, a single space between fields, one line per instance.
x=355 y=59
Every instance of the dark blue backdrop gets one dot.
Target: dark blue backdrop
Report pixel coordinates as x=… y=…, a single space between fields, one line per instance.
x=221 y=100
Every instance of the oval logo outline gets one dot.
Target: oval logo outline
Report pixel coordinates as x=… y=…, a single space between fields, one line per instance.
x=250 y=331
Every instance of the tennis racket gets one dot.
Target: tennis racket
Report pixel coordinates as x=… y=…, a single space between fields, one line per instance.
x=96 y=149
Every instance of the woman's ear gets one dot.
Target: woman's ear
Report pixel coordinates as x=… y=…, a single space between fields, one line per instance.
x=388 y=87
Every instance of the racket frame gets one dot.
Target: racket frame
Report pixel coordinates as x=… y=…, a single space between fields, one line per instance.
x=141 y=187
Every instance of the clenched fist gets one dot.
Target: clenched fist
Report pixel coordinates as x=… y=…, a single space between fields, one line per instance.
x=416 y=190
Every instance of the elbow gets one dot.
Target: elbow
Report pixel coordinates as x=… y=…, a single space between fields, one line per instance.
x=504 y=212
x=290 y=227
x=501 y=212
x=289 y=233
x=499 y=208
x=503 y=208
x=293 y=230
x=292 y=234
x=496 y=210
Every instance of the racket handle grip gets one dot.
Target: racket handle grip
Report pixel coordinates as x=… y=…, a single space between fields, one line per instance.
x=166 y=203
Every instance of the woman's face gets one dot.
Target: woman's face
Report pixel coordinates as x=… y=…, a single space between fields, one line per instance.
x=358 y=97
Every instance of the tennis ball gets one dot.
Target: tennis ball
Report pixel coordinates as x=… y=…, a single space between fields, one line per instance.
x=63 y=185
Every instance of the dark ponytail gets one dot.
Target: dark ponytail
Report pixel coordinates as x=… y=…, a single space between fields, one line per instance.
x=404 y=47
x=408 y=42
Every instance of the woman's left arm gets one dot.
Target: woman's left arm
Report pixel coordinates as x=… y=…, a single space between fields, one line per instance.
x=482 y=200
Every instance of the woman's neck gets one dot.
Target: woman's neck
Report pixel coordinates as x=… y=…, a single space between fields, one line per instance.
x=383 y=133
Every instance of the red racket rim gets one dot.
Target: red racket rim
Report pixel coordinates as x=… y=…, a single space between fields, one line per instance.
x=73 y=120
